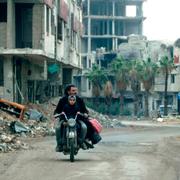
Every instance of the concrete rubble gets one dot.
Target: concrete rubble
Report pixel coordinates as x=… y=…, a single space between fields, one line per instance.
x=14 y=132
x=135 y=48
x=105 y=120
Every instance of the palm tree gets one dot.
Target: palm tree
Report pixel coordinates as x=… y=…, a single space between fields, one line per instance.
x=120 y=69
x=147 y=72
x=98 y=77
x=166 y=67
x=135 y=83
x=108 y=91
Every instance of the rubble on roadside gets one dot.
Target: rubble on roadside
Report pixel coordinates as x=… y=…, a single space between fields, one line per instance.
x=105 y=120
x=116 y=121
x=9 y=141
x=169 y=119
x=37 y=122
x=12 y=133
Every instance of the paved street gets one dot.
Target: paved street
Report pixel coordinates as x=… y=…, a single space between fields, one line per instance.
x=129 y=153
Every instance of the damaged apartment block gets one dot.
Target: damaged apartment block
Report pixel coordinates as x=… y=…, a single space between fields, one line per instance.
x=39 y=48
x=108 y=23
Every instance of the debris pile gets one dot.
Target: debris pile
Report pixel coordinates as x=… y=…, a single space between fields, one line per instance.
x=9 y=141
x=105 y=120
x=36 y=122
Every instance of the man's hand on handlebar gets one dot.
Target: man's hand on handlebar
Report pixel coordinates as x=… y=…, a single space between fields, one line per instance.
x=84 y=115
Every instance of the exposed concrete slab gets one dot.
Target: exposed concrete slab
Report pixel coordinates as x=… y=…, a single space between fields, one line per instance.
x=25 y=51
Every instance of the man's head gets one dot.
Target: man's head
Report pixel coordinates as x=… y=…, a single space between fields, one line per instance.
x=70 y=90
x=71 y=99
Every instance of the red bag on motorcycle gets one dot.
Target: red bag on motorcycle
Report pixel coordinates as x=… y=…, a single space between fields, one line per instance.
x=96 y=125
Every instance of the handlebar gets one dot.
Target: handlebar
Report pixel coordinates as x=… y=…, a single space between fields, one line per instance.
x=81 y=114
x=58 y=115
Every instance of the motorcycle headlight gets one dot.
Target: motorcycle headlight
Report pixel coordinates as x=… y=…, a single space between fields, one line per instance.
x=71 y=122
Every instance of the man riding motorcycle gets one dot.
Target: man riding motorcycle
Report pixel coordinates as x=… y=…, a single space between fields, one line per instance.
x=71 y=90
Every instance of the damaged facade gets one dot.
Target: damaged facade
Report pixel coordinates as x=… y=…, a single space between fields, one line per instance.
x=107 y=24
x=173 y=79
x=138 y=47
x=110 y=30
x=39 y=47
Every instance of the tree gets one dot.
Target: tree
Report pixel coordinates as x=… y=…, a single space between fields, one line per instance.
x=147 y=73
x=135 y=83
x=108 y=91
x=177 y=43
x=98 y=77
x=166 y=67
x=120 y=68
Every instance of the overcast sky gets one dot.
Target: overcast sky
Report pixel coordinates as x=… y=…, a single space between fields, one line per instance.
x=163 y=19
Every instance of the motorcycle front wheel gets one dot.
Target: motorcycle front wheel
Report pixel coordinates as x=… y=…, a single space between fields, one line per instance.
x=71 y=143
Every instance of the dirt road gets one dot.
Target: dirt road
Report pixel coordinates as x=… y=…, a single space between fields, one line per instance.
x=124 y=154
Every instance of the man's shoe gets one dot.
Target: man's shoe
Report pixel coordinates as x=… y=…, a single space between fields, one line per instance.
x=83 y=146
x=89 y=145
x=59 y=149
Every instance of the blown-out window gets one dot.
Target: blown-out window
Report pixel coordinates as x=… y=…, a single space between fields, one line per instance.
x=3 y=12
x=172 y=78
x=47 y=19
x=60 y=29
x=131 y=11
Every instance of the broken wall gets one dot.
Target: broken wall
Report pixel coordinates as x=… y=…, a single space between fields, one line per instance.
x=135 y=48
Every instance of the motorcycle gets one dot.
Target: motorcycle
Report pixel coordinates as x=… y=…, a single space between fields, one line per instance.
x=70 y=134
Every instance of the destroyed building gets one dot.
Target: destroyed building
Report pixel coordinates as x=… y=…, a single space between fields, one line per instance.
x=116 y=27
x=39 y=47
x=107 y=23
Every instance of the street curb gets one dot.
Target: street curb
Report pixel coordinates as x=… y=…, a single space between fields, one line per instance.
x=148 y=124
